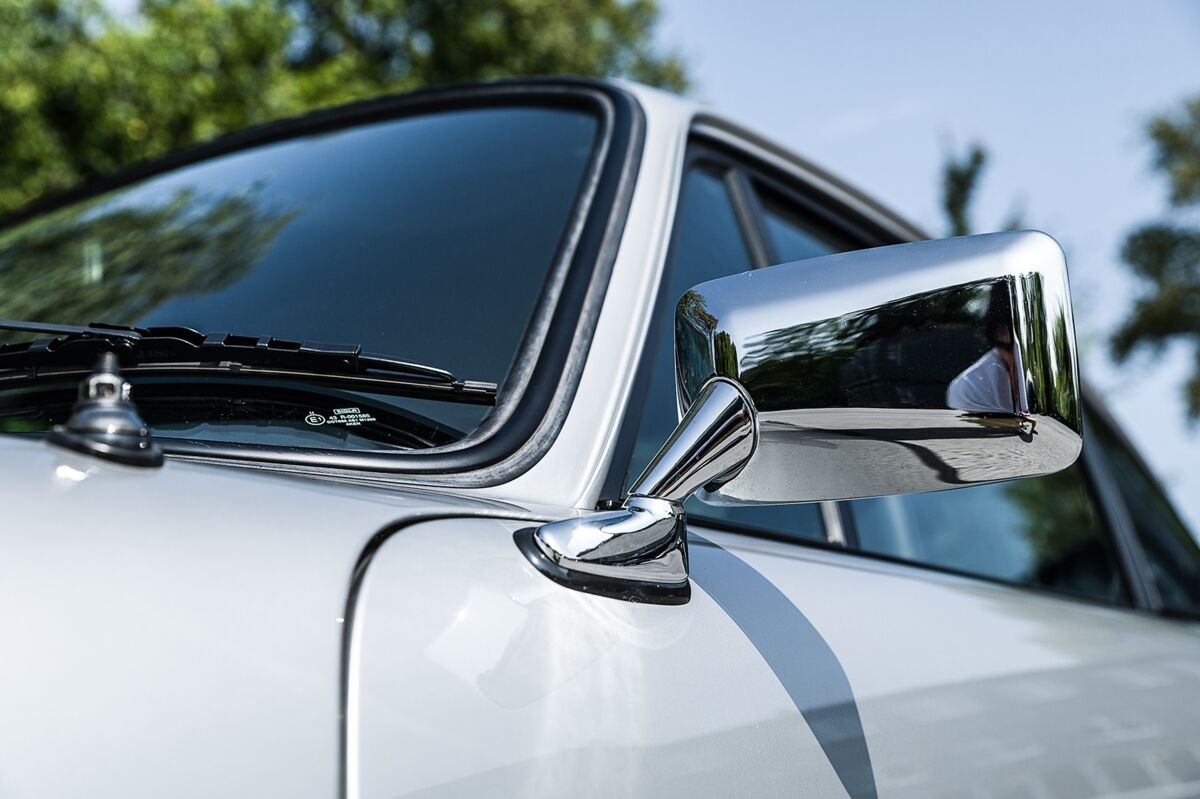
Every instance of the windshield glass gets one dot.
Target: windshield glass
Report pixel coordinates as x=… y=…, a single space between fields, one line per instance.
x=427 y=237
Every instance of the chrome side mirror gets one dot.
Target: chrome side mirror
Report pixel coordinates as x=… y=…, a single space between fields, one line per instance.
x=909 y=368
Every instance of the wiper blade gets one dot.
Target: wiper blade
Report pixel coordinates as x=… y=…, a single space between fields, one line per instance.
x=97 y=330
x=183 y=347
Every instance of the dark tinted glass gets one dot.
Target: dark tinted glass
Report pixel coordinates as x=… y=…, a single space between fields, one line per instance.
x=1042 y=532
x=707 y=243
x=792 y=239
x=1171 y=550
x=427 y=237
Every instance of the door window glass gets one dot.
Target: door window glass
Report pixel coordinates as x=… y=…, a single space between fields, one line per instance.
x=792 y=239
x=707 y=244
x=1171 y=551
x=1043 y=532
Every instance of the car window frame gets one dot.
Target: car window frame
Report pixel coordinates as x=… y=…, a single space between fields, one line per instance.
x=546 y=367
x=863 y=223
x=1123 y=514
x=730 y=175
x=707 y=148
x=616 y=479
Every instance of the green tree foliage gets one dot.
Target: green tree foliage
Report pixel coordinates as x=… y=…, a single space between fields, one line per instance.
x=83 y=93
x=408 y=43
x=1165 y=254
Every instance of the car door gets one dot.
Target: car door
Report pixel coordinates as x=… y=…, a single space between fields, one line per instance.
x=990 y=641
x=978 y=650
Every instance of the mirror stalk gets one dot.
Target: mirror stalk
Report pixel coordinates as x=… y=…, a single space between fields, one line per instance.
x=639 y=552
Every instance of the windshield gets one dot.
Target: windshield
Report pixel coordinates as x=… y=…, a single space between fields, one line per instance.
x=428 y=238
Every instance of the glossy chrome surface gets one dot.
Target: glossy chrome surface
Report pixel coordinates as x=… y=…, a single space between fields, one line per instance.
x=908 y=368
x=710 y=445
x=835 y=530
x=639 y=552
x=642 y=541
x=636 y=553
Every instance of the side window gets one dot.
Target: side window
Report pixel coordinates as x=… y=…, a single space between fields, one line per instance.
x=1043 y=532
x=792 y=240
x=1171 y=551
x=707 y=243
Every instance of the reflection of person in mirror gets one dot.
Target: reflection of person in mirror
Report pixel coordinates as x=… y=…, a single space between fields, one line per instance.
x=994 y=383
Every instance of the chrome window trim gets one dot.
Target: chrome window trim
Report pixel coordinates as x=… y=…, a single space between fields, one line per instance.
x=886 y=564
x=718 y=142
x=759 y=149
x=1131 y=547
x=835 y=529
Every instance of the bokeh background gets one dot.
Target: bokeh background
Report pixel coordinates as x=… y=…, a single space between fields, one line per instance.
x=1079 y=118
x=1081 y=111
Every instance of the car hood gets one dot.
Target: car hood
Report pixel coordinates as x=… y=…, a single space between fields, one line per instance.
x=188 y=616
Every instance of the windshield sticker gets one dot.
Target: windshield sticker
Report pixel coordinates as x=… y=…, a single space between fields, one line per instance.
x=350 y=417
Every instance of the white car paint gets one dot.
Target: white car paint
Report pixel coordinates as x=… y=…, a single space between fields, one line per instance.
x=178 y=631
x=490 y=680
x=572 y=472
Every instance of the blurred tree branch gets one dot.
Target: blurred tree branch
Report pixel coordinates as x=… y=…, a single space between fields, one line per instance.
x=960 y=178
x=82 y=93
x=1165 y=255
x=960 y=181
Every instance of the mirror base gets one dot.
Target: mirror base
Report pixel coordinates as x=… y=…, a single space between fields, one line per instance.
x=655 y=593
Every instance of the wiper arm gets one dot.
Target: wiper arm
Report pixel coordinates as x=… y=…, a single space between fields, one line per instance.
x=174 y=348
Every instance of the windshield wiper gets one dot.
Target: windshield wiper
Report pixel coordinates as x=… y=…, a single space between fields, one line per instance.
x=173 y=349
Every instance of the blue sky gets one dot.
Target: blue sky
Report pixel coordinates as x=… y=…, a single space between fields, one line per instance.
x=1058 y=92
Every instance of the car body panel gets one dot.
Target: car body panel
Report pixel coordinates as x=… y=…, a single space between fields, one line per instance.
x=184 y=619
x=972 y=688
x=575 y=468
x=485 y=678
x=488 y=678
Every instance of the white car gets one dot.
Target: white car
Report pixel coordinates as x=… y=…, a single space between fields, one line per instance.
x=592 y=504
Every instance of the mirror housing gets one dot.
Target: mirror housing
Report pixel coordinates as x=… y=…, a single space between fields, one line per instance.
x=915 y=367
x=900 y=369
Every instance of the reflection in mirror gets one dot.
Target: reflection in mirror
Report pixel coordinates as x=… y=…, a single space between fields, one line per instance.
x=888 y=371
x=945 y=349
x=991 y=383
